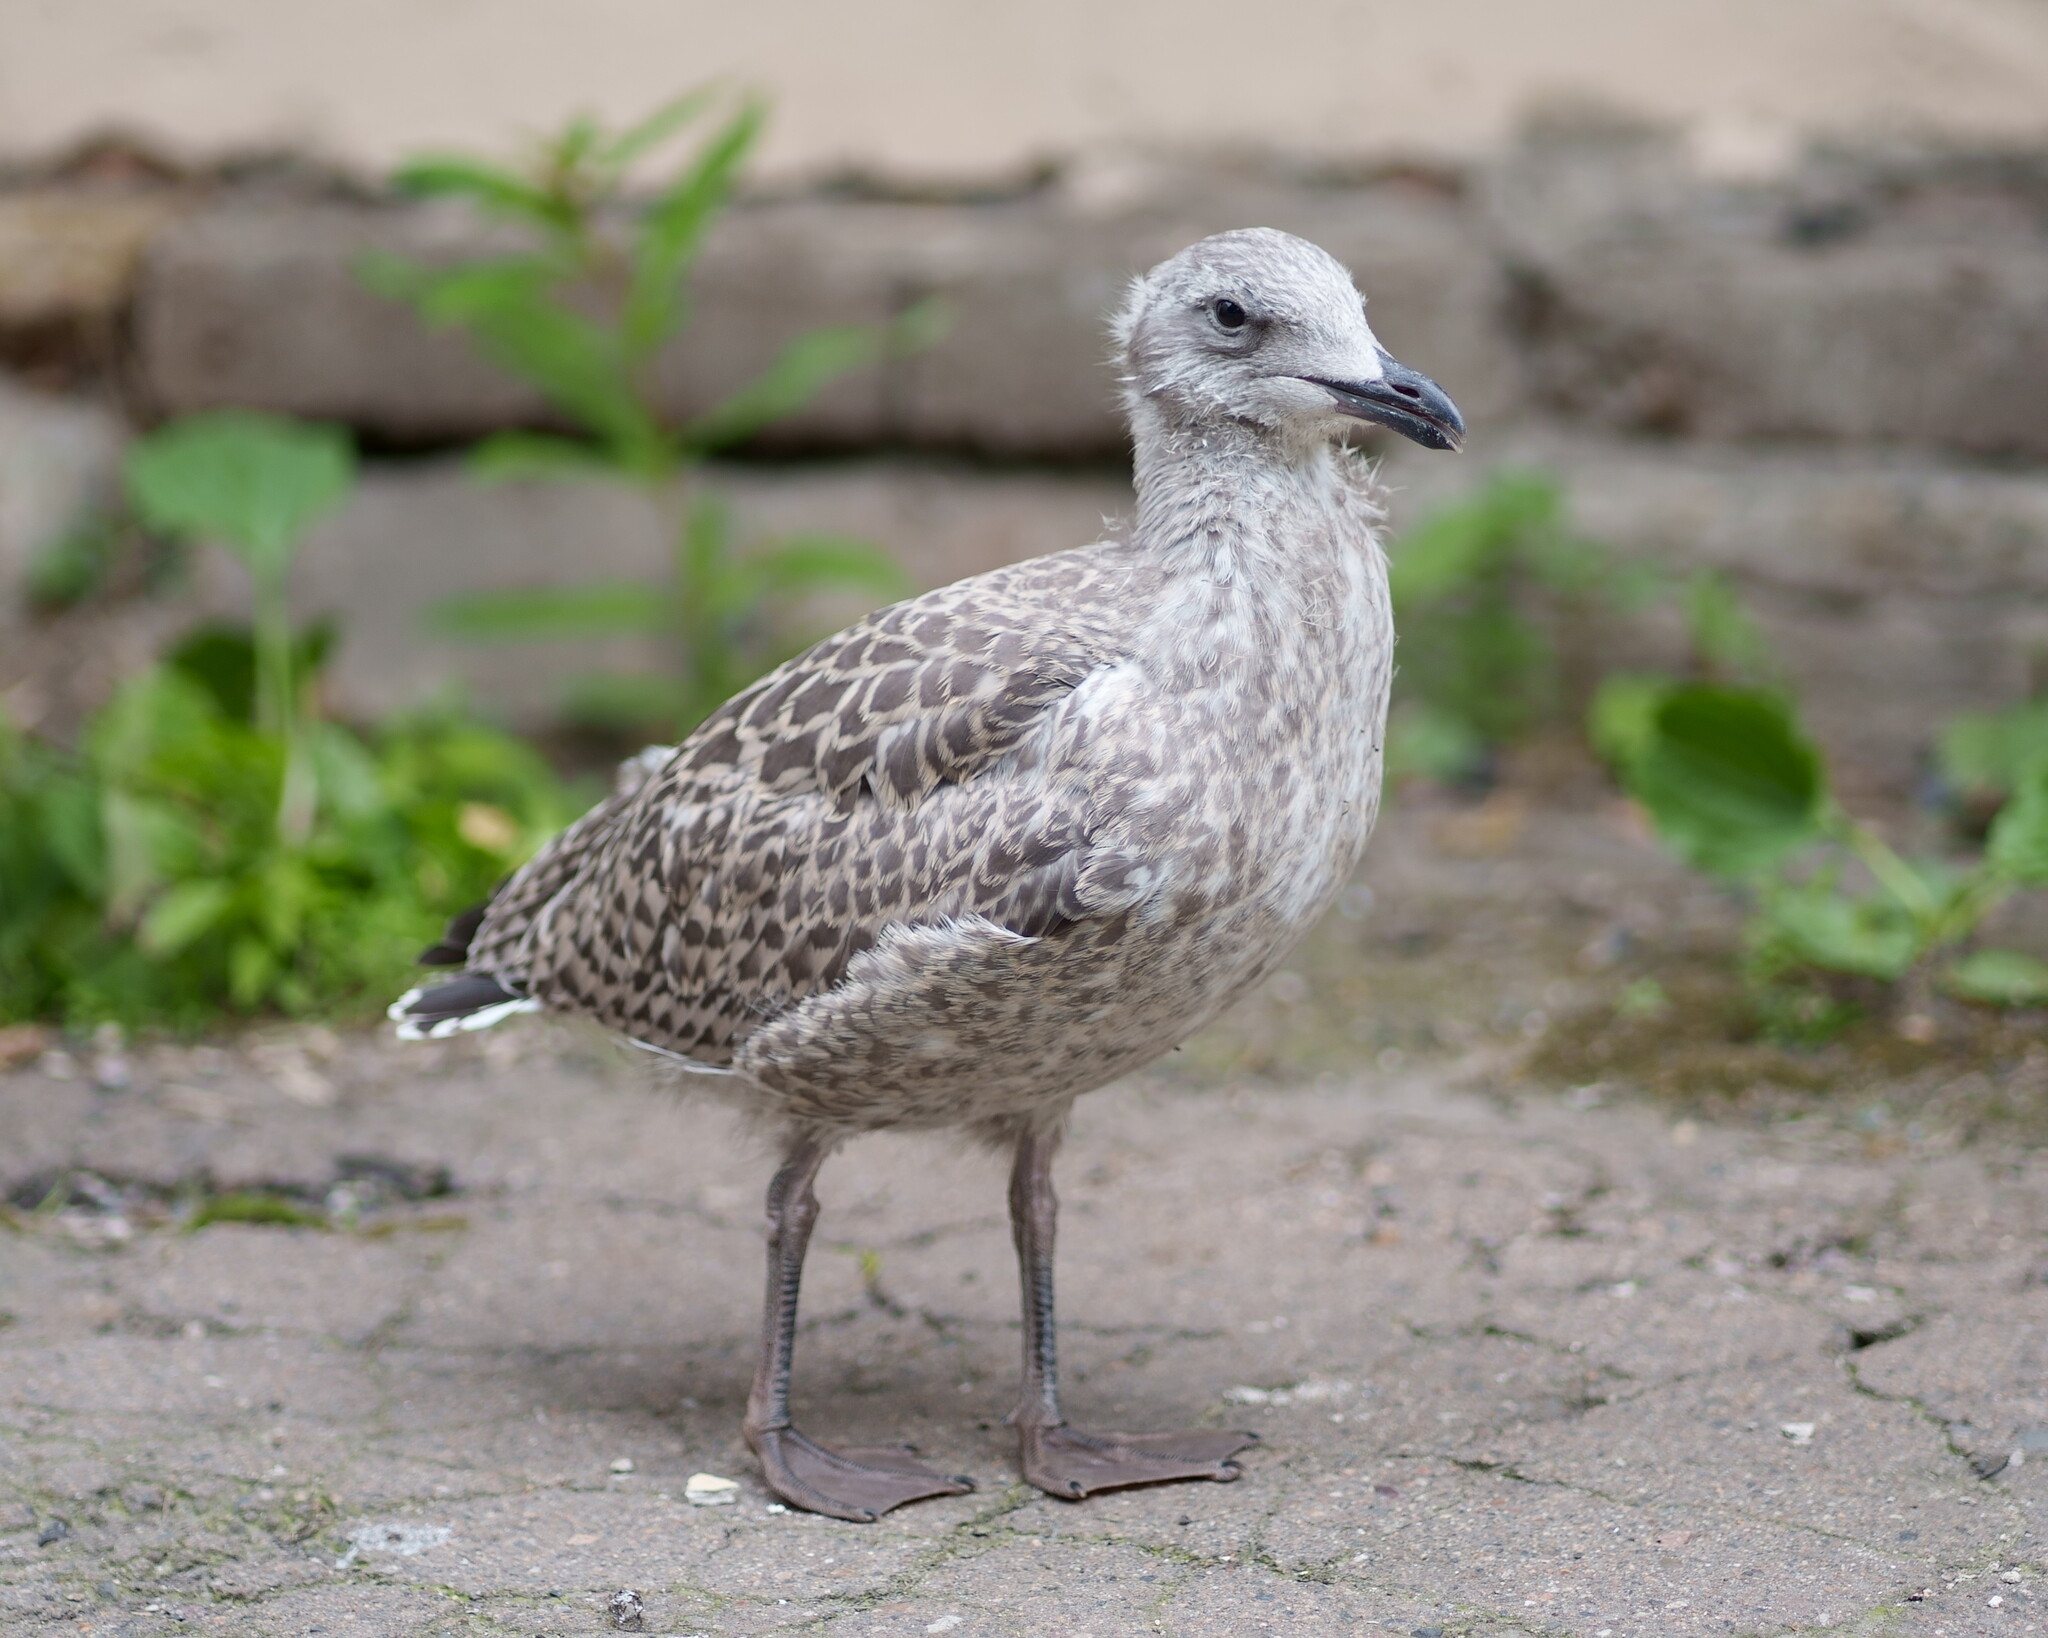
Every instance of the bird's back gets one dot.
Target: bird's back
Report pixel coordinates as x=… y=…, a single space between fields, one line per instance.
x=823 y=805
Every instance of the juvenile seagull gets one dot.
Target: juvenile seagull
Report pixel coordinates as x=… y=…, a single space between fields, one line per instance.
x=991 y=848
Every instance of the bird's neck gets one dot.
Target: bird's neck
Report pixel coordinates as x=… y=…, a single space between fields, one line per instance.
x=1226 y=503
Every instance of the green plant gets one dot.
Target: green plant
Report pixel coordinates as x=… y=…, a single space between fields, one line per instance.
x=143 y=879
x=1984 y=756
x=1734 y=787
x=1482 y=591
x=254 y=484
x=583 y=312
x=213 y=842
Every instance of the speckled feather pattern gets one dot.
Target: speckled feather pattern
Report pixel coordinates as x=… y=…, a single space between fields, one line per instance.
x=992 y=847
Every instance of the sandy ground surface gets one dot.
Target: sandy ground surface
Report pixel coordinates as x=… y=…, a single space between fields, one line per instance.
x=929 y=89
x=1526 y=1357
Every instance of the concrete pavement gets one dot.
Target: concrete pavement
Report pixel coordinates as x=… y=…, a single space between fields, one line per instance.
x=1520 y=1366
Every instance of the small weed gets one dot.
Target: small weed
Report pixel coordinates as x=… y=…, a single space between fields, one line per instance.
x=1736 y=789
x=364 y=1196
x=1484 y=590
x=253 y=1206
x=582 y=312
x=215 y=844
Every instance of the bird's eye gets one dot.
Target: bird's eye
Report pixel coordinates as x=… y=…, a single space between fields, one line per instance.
x=1227 y=313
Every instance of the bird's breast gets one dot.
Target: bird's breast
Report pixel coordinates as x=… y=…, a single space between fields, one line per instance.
x=1259 y=778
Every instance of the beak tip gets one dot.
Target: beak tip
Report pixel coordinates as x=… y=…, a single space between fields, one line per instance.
x=1403 y=401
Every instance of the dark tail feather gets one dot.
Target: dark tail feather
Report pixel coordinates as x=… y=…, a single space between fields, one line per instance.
x=453 y=949
x=472 y=1001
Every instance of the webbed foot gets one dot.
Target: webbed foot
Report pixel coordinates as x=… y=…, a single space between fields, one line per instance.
x=858 y=1484
x=1065 y=1463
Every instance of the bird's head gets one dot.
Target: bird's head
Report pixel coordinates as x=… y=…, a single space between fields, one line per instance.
x=1263 y=329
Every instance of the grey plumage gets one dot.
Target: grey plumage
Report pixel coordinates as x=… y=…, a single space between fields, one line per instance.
x=995 y=846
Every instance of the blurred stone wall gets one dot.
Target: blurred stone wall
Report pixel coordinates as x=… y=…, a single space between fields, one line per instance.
x=1832 y=383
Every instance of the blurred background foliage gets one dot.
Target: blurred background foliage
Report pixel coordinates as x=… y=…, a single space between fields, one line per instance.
x=581 y=313
x=214 y=843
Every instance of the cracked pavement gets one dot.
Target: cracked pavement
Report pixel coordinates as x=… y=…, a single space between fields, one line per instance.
x=1524 y=1361
x=1519 y=1366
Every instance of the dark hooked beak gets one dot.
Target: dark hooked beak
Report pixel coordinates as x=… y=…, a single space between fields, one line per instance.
x=1410 y=403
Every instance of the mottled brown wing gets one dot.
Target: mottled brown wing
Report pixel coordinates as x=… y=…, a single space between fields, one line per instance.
x=871 y=782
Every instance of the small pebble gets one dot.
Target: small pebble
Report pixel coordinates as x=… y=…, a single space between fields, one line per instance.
x=627 y=1612
x=623 y=1465
x=53 y=1531
x=1800 y=1433
x=709 y=1490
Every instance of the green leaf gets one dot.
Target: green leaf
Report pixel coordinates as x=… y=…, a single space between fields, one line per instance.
x=347 y=772
x=673 y=228
x=2000 y=978
x=512 y=312
x=493 y=189
x=572 y=149
x=158 y=708
x=655 y=129
x=575 y=363
x=1728 y=641
x=255 y=483
x=73 y=833
x=1731 y=784
x=596 y=608
x=532 y=457
x=2018 y=844
x=253 y=1206
x=142 y=840
x=1815 y=925
x=805 y=365
x=1994 y=751
x=474 y=292
x=1443 y=553
x=184 y=914
x=251 y=970
x=1621 y=721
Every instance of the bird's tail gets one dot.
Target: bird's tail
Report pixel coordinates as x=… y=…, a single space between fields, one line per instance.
x=474 y=1001
x=433 y=1012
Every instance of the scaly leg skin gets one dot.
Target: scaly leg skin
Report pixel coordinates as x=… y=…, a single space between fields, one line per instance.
x=1058 y=1459
x=859 y=1484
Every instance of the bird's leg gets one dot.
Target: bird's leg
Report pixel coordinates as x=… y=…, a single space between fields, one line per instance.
x=859 y=1484
x=1058 y=1459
